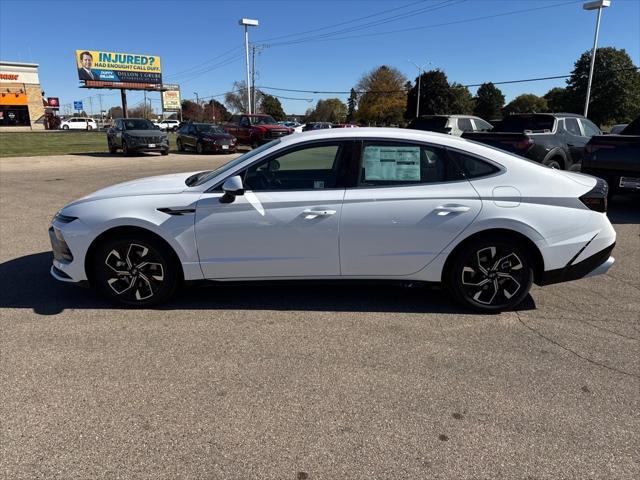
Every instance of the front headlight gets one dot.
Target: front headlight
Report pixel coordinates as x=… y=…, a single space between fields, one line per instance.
x=59 y=217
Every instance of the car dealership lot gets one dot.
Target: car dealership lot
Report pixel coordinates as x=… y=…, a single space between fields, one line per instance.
x=304 y=381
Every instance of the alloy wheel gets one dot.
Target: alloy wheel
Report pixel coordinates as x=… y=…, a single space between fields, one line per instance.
x=494 y=276
x=134 y=272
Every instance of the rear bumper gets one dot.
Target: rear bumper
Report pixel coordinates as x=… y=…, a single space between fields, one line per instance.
x=597 y=264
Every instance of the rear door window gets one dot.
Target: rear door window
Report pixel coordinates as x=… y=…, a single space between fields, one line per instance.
x=571 y=125
x=387 y=163
x=465 y=125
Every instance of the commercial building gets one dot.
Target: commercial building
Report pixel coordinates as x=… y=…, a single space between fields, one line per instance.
x=21 y=102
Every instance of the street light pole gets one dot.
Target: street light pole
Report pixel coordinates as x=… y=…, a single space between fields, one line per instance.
x=420 y=69
x=597 y=5
x=247 y=22
x=197 y=103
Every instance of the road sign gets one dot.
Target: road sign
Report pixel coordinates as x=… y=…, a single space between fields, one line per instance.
x=77 y=105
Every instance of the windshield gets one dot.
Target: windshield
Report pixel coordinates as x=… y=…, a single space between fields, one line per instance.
x=209 y=129
x=262 y=120
x=203 y=177
x=430 y=123
x=138 y=124
x=520 y=123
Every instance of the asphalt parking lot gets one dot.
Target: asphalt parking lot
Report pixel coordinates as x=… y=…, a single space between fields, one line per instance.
x=304 y=382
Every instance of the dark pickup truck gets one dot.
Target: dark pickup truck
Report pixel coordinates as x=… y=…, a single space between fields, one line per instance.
x=255 y=129
x=616 y=158
x=557 y=140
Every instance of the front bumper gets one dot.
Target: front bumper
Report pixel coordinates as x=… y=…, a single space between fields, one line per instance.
x=597 y=264
x=217 y=148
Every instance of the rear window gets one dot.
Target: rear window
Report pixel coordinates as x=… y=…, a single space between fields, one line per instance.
x=431 y=124
x=533 y=123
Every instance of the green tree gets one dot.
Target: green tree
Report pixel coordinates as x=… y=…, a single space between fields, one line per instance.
x=525 y=103
x=382 y=96
x=215 y=111
x=351 y=105
x=329 y=110
x=272 y=106
x=557 y=100
x=435 y=97
x=615 y=90
x=462 y=101
x=489 y=102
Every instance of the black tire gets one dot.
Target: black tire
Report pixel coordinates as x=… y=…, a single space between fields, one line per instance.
x=254 y=144
x=165 y=152
x=490 y=275
x=112 y=147
x=125 y=149
x=135 y=270
x=199 y=147
x=553 y=163
x=65 y=127
x=179 y=145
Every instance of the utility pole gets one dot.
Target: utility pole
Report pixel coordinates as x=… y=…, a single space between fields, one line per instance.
x=420 y=70
x=100 y=100
x=253 y=77
x=145 y=104
x=247 y=22
x=90 y=107
x=597 y=5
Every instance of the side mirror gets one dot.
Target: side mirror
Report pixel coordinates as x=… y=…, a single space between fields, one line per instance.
x=232 y=187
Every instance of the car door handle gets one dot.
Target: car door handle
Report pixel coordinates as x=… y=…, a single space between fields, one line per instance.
x=311 y=213
x=447 y=209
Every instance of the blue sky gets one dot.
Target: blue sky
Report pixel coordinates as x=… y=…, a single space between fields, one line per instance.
x=200 y=42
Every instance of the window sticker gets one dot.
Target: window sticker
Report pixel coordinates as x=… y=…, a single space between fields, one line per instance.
x=392 y=163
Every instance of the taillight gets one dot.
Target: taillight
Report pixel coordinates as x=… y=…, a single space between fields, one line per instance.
x=592 y=148
x=523 y=144
x=596 y=198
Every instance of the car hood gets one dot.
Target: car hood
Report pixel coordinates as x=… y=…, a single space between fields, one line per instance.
x=145 y=133
x=159 y=185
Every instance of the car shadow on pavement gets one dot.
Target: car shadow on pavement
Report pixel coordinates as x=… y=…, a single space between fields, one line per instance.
x=624 y=209
x=117 y=154
x=25 y=282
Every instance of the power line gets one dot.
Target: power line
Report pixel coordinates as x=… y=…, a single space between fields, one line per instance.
x=340 y=92
x=424 y=27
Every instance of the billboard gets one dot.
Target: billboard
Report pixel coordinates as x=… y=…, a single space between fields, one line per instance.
x=102 y=68
x=53 y=102
x=171 y=98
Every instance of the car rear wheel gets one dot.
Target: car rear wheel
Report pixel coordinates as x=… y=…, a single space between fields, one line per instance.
x=553 y=163
x=135 y=270
x=490 y=275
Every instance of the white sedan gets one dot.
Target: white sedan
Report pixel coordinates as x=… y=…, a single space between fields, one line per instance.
x=343 y=204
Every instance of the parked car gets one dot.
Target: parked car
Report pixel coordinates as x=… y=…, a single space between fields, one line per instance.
x=616 y=129
x=344 y=125
x=616 y=158
x=451 y=124
x=169 y=125
x=256 y=129
x=556 y=140
x=205 y=137
x=343 y=204
x=133 y=135
x=79 y=123
x=317 y=126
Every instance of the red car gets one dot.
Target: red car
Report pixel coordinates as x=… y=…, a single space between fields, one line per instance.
x=255 y=129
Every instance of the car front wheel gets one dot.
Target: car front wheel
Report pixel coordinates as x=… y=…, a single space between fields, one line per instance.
x=135 y=270
x=112 y=147
x=490 y=275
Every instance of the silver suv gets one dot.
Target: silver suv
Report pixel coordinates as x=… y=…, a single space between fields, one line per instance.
x=451 y=124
